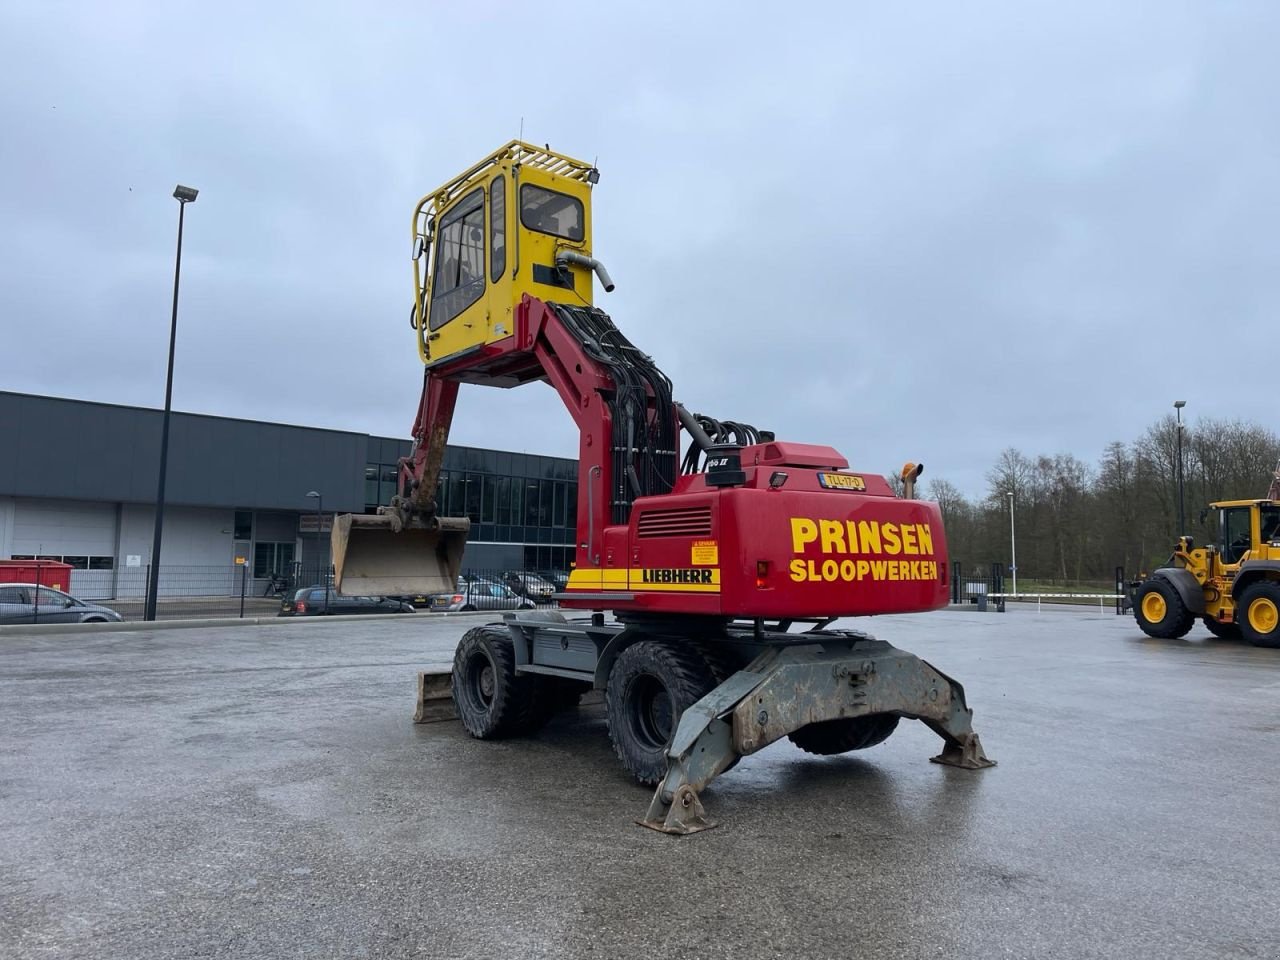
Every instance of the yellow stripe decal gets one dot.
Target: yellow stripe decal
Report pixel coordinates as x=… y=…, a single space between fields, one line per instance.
x=648 y=579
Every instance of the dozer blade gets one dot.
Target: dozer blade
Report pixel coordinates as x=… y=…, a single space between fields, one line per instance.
x=373 y=558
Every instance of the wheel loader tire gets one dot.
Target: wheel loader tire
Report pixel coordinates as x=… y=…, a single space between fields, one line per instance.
x=848 y=733
x=1259 y=613
x=492 y=700
x=1160 y=611
x=651 y=684
x=1223 y=631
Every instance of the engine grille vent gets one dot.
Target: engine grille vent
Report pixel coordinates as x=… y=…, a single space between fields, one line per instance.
x=680 y=522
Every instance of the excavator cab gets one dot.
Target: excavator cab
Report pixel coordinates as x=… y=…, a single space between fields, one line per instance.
x=517 y=223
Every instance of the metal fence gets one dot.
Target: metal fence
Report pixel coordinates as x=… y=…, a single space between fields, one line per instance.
x=194 y=592
x=991 y=587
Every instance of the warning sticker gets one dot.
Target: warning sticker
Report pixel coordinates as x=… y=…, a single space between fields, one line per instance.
x=705 y=553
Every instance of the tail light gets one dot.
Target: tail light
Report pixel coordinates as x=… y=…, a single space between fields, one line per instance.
x=302 y=606
x=457 y=598
x=762 y=574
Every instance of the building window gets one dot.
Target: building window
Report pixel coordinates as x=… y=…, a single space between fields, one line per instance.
x=102 y=563
x=77 y=563
x=243 y=525
x=269 y=558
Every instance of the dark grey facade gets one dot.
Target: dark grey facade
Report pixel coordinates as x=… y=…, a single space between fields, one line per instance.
x=78 y=481
x=74 y=450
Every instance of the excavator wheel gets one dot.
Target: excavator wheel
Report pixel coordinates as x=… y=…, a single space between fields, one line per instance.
x=848 y=733
x=492 y=700
x=651 y=684
x=1160 y=611
x=1221 y=630
x=1259 y=612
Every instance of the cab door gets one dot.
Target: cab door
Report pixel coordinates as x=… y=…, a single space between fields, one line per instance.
x=457 y=316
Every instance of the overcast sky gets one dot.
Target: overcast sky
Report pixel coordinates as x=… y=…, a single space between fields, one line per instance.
x=912 y=231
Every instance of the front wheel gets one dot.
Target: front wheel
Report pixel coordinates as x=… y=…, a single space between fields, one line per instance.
x=1260 y=614
x=492 y=700
x=651 y=685
x=1160 y=611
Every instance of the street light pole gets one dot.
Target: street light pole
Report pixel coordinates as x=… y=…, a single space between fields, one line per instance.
x=1182 y=505
x=183 y=195
x=324 y=571
x=1013 y=547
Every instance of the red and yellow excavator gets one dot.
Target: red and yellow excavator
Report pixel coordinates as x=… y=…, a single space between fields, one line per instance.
x=706 y=585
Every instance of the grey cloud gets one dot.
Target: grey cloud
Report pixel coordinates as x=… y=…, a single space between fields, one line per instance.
x=932 y=232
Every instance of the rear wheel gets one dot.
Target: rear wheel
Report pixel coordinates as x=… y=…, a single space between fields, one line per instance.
x=845 y=734
x=651 y=684
x=1260 y=614
x=492 y=700
x=1160 y=611
x=1221 y=630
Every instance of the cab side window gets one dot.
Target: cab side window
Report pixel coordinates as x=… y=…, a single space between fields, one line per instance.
x=1270 y=523
x=458 y=280
x=549 y=211
x=497 y=228
x=1237 y=537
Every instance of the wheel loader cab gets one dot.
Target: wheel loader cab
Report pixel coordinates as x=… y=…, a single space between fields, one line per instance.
x=494 y=234
x=1238 y=532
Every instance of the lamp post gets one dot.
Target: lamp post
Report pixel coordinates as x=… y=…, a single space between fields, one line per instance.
x=1182 y=505
x=324 y=572
x=1013 y=547
x=183 y=195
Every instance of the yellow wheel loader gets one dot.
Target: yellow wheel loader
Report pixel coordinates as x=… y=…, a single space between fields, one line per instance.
x=1232 y=585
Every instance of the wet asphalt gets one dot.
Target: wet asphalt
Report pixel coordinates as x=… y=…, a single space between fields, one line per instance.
x=261 y=792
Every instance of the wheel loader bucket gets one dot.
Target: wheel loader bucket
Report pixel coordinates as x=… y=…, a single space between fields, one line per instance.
x=372 y=558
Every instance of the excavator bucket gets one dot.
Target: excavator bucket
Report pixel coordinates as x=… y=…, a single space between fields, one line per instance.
x=371 y=557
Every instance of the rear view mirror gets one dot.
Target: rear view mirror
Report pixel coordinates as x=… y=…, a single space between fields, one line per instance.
x=419 y=246
x=68 y=602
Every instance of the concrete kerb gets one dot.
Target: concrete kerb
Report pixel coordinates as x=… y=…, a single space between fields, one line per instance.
x=51 y=629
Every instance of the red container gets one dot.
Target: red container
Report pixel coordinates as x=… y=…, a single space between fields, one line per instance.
x=46 y=573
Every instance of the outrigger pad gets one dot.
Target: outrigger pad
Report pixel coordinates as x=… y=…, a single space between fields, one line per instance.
x=685 y=815
x=435 y=697
x=965 y=752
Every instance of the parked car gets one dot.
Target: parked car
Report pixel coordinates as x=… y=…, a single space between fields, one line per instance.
x=311 y=602
x=530 y=585
x=479 y=594
x=27 y=603
x=557 y=578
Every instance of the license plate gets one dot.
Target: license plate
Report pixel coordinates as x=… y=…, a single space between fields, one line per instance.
x=842 y=481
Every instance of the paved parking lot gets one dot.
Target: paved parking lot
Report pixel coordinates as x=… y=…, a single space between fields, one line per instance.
x=260 y=792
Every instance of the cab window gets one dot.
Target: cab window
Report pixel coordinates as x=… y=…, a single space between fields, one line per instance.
x=1269 y=524
x=497 y=228
x=1236 y=535
x=550 y=212
x=458 y=280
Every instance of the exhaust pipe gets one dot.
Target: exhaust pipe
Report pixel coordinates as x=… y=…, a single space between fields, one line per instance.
x=572 y=256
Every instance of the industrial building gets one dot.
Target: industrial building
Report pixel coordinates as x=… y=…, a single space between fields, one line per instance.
x=78 y=483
